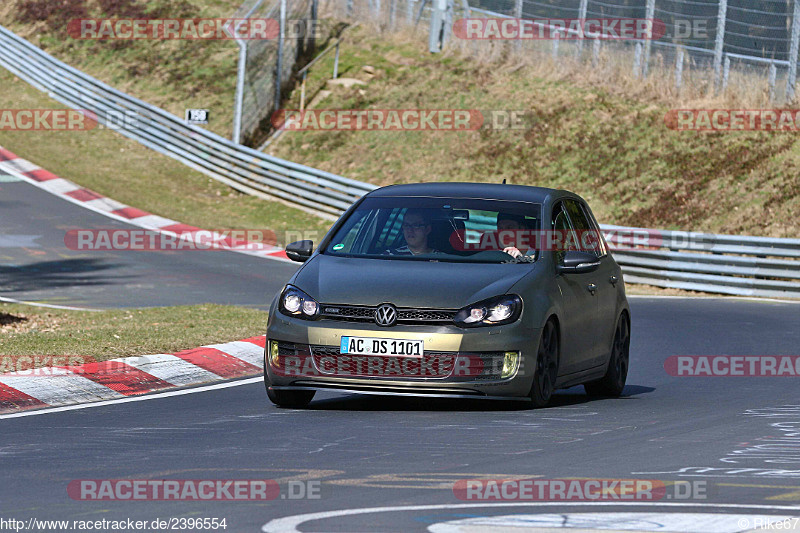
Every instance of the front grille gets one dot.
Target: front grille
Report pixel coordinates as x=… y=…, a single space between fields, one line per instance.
x=405 y=315
x=482 y=366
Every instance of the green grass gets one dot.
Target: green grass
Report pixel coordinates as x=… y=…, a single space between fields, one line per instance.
x=102 y=335
x=173 y=74
x=611 y=147
x=128 y=172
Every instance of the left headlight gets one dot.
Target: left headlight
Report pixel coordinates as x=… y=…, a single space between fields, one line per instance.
x=495 y=311
x=296 y=303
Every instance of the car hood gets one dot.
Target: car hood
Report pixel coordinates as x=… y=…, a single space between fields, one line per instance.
x=341 y=280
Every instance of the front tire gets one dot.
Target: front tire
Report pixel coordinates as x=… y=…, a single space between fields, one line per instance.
x=546 y=371
x=293 y=399
x=613 y=383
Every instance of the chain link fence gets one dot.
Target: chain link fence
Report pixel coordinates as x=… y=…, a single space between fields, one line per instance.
x=717 y=42
x=266 y=66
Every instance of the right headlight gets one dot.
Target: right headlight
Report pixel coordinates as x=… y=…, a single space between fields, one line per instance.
x=494 y=311
x=296 y=303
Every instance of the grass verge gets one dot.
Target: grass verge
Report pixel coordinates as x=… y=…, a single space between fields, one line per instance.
x=126 y=171
x=103 y=335
x=611 y=146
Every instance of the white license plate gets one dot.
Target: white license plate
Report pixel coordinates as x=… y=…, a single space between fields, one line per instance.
x=375 y=346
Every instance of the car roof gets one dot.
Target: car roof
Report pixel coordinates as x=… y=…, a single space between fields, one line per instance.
x=492 y=191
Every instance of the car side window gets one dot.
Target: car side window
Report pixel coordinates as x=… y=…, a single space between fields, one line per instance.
x=587 y=237
x=561 y=224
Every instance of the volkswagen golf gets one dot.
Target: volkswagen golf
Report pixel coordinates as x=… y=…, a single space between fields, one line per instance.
x=452 y=290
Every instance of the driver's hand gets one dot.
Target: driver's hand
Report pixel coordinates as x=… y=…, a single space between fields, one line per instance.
x=513 y=252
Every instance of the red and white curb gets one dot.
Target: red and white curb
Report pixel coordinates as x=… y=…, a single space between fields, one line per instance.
x=129 y=376
x=46 y=180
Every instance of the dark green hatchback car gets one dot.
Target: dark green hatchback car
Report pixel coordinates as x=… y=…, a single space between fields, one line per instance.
x=452 y=290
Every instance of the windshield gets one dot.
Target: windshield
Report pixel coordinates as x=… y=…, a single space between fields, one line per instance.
x=439 y=229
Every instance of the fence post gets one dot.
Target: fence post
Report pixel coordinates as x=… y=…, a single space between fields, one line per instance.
x=311 y=39
x=435 y=37
x=392 y=13
x=349 y=9
x=726 y=72
x=773 y=74
x=556 y=39
x=410 y=12
x=679 y=69
x=595 y=51
x=791 y=78
x=648 y=43
x=722 y=16
x=336 y=61
x=582 y=8
x=279 y=61
x=518 y=16
x=637 y=60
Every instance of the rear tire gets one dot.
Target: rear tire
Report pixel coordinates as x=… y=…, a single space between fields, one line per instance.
x=613 y=383
x=546 y=371
x=293 y=399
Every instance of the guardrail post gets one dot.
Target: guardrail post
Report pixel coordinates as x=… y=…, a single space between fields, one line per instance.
x=648 y=44
x=791 y=78
x=679 y=69
x=722 y=16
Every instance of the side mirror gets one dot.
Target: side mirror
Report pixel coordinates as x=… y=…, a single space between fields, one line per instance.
x=576 y=262
x=300 y=251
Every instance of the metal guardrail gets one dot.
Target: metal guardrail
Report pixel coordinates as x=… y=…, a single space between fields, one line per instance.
x=240 y=167
x=726 y=264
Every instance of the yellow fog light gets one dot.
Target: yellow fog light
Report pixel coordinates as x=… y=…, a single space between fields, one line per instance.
x=273 y=354
x=510 y=362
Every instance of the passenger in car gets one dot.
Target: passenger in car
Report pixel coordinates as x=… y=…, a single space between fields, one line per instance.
x=416 y=229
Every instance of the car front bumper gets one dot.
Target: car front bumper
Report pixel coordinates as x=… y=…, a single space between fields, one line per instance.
x=456 y=362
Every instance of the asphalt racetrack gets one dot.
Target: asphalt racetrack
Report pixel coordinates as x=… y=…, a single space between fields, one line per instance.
x=376 y=463
x=37 y=266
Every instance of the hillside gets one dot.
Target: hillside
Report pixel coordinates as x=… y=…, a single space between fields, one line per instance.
x=610 y=145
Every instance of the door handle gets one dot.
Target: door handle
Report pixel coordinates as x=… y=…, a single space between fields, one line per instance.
x=592 y=288
x=613 y=280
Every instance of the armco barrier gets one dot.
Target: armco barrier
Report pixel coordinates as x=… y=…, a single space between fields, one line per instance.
x=240 y=167
x=726 y=264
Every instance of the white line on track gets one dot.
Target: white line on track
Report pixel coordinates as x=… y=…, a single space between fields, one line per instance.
x=289 y=524
x=151 y=396
x=50 y=306
x=128 y=221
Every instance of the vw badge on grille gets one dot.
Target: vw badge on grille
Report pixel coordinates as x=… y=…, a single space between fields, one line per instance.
x=385 y=315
